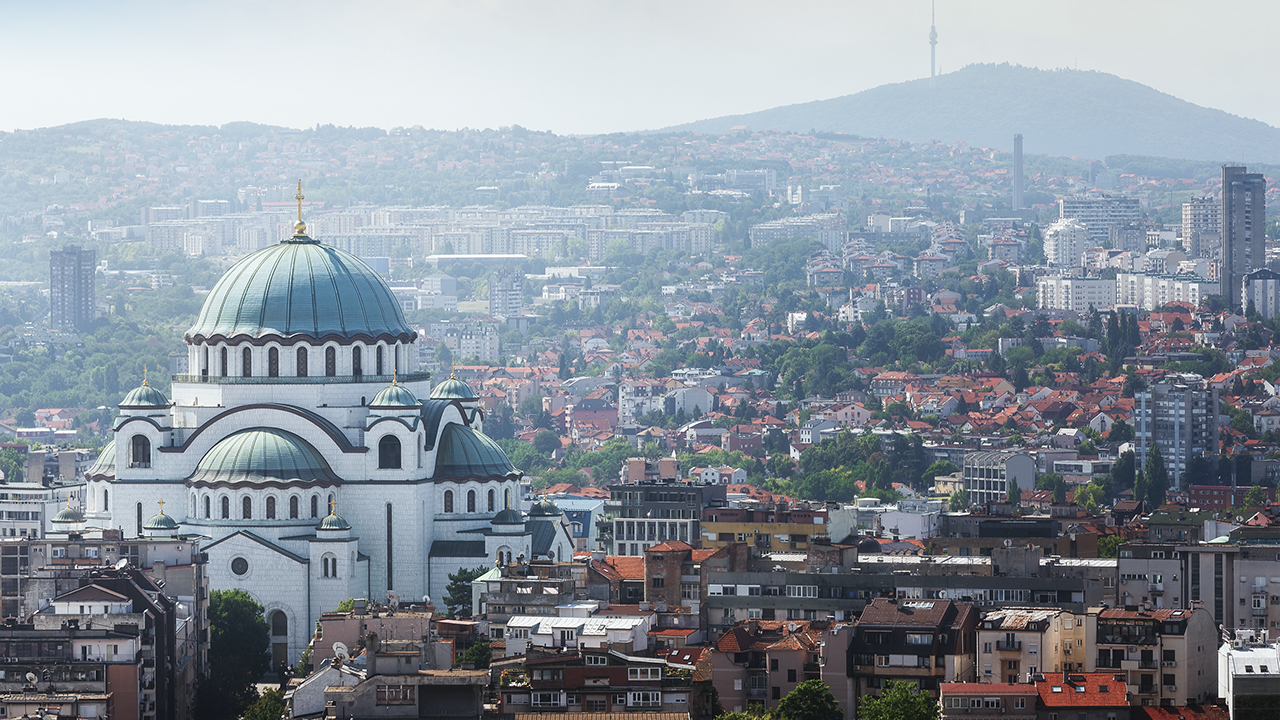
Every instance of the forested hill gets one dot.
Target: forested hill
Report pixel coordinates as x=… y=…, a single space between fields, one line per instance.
x=1059 y=112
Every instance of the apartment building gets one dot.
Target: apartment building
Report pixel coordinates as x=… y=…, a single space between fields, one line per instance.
x=1065 y=241
x=71 y=287
x=1148 y=291
x=603 y=681
x=927 y=642
x=1244 y=227
x=1178 y=415
x=1077 y=294
x=1016 y=643
x=1099 y=213
x=1202 y=227
x=649 y=512
x=767 y=527
x=1167 y=655
x=987 y=475
x=757 y=663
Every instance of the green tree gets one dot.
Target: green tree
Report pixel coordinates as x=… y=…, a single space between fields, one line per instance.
x=1123 y=473
x=444 y=355
x=270 y=706
x=1255 y=497
x=480 y=654
x=457 y=594
x=1121 y=432
x=810 y=700
x=238 y=643
x=938 y=469
x=546 y=442
x=1157 y=478
x=1107 y=546
x=1015 y=492
x=900 y=700
x=960 y=500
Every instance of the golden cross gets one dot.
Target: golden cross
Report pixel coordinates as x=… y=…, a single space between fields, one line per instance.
x=161 y=501
x=332 y=505
x=393 y=374
x=144 y=374
x=299 y=197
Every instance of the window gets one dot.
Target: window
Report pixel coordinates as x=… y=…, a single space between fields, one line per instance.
x=271 y=508
x=644 y=673
x=986 y=669
x=357 y=361
x=246 y=508
x=777 y=692
x=1033 y=648
x=389 y=453
x=992 y=703
x=883 y=661
x=315 y=505
x=773 y=665
x=139 y=452
x=293 y=507
x=396 y=695
x=273 y=362
x=246 y=362
x=471 y=501
x=490 y=499
x=378 y=369
x=754 y=614
x=791 y=675
x=330 y=361
x=986 y=647
x=223 y=358
x=597 y=660
x=301 y=368
x=644 y=699
x=658 y=582
x=279 y=624
x=551 y=675
x=448 y=501
x=206 y=507
x=919 y=639
x=802 y=591
x=1020 y=703
x=226 y=508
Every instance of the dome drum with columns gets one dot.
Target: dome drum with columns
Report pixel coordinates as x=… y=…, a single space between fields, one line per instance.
x=300 y=447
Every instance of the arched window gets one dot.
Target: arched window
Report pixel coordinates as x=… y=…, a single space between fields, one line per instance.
x=330 y=362
x=273 y=362
x=357 y=358
x=330 y=564
x=140 y=452
x=105 y=505
x=389 y=452
x=223 y=354
x=506 y=498
x=139 y=519
x=204 y=366
x=246 y=362
x=226 y=508
x=379 y=360
x=448 y=501
x=302 y=362
x=271 y=508
x=315 y=505
x=206 y=507
x=293 y=507
x=471 y=501
x=246 y=508
x=279 y=623
x=490 y=499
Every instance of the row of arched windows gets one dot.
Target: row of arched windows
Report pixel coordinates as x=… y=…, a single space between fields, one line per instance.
x=302 y=361
x=471 y=500
x=246 y=511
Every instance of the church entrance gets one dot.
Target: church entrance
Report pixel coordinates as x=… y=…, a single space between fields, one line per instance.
x=279 y=640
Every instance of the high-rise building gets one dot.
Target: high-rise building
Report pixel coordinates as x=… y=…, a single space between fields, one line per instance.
x=1017 y=171
x=1065 y=241
x=1178 y=415
x=1100 y=213
x=1262 y=288
x=1202 y=227
x=1244 y=227
x=71 y=280
x=506 y=293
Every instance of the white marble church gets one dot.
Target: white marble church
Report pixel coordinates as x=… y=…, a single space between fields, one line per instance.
x=300 y=448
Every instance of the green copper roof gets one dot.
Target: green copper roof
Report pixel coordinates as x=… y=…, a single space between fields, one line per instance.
x=106 y=462
x=298 y=288
x=161 y=522
x=466 y=453
x=453 y=389
x=263 y=456
x=144 y=396
x=394 y=396
x=546 y=508
x=68 y=515
x=507 y=516
x=333 y=521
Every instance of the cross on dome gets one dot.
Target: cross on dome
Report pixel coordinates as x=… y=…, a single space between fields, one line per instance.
x=299 y=228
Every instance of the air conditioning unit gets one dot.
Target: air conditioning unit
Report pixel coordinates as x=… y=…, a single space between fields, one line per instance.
x=1132 y=648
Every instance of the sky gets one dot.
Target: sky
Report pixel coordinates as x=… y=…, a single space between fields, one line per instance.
x=583 y=67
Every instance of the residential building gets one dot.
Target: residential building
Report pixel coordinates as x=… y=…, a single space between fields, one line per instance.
x=605 y=681
x=72 y=304
x=1178 y=415
x=649 y=512
x=756 y=663
x=583 y=624
x=1244 y=227
x=1099 y=213
x=1016 y=643
x=1150 y=292
x=1167 y=656
x=926 y=642
x=1077 y=294
x=767 y=527
x=506 y=293
x=1249 y=674
x=988 y=701
x=1083 y=696
x=1202 y=227
x=826 y=228
x=1065 y=241
x=401 y=680
x=1261 y=291
x=988 y=475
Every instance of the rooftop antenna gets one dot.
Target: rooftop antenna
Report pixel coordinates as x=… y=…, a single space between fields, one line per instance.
x=933 y=42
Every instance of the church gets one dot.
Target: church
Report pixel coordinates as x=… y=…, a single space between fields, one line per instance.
x=311 y=454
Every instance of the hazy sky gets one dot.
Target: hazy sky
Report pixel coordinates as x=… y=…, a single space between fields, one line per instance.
x=583 y=67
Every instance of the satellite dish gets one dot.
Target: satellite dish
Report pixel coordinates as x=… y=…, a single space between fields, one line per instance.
x=393 y=599
x=31 y=678
x=426 y=599
x=340 y=651
x=121 y=564
x=791 y=627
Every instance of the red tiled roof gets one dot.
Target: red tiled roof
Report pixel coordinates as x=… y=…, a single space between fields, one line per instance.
x=629 y=567
x=1083 y=690
x=1180 y=712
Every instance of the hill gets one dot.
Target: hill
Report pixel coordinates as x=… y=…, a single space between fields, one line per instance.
x=1059 y=112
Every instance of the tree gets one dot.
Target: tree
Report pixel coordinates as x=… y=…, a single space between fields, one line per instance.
x=1015 y=492
x=1255 y=497
x=900 y=700
x=457 y=594
x=1157 y=478
x=444 y=356
x=810 y=700
x=1121 y=432
x=270 y=706
x=480 y=654
x=959 y=500
x=1107 y=546
x=238 y=643
x=942 y=467
x=1123 y=473
x=546 y=442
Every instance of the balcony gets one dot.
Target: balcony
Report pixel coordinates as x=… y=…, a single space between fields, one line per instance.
x=757 y=692
x=1146 y=664
x=1009 y=645
x=1108 y=664
x=1146 y=689
x=304 y=380
x=1259 y=612
x=1155 y=587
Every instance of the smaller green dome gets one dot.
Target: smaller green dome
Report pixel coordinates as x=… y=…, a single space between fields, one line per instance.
x=546 y=508
x=105 y=465
x=144 y=396
x=333 y=521
x=160 y=523
x=453 y=389
x=68 y=515
x=394 y=396
x=507 y=516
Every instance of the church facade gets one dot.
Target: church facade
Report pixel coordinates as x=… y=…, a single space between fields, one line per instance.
x=300 y=447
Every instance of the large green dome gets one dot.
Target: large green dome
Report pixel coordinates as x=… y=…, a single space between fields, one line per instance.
x=453 y=389
x=301 y=288
x=262 y=456
x=465 y=453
